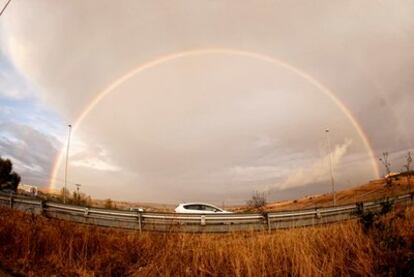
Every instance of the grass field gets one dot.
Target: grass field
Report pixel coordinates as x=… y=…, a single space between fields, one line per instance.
x=374 y=245
x=37 y=246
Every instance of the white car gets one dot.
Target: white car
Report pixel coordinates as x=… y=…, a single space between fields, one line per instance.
x=198 y=208
x=134 y=209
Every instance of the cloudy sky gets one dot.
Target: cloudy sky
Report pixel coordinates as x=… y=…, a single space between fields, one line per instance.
x=205 y=100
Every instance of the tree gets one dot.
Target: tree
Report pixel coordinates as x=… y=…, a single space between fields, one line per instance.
x=9 y=180
x=387 y=166
x=258 y=200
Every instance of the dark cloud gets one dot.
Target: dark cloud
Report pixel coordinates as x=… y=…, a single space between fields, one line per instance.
x=32 y=152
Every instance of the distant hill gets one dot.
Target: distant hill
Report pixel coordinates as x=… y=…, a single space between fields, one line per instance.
x=375 y=189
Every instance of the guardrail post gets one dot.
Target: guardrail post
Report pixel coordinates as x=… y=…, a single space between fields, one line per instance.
x=139 y=221
x=11 y=201
x=267 y=218
x=318 y=214
x=86 y=212
x=359 y=208
x=42 y=207
x=203 y=220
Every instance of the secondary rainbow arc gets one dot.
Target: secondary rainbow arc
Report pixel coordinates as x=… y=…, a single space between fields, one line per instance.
x=218 y=51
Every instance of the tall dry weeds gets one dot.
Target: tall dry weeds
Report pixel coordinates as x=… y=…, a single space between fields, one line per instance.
x=34 y=245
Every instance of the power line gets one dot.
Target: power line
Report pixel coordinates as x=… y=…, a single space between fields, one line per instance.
x=4 y=8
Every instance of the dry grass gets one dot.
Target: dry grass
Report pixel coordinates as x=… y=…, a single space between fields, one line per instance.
x=38 y=246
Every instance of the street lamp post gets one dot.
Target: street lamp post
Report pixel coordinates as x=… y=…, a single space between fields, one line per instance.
x=77 y=198
x=331 y=167
x=66 y=164
x=78 y=187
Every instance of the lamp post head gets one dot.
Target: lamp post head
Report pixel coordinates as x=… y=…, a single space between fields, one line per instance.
x=70 y=125
x=327 y=130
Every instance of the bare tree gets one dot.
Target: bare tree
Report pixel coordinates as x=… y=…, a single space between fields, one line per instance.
x=407 y=167
x=258 y=200
x=387 y=166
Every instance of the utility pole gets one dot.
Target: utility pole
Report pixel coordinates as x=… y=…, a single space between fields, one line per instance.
x=331 y=166
x=66 y=165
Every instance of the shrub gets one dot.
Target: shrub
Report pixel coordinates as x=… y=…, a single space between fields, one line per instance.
x=257 y=201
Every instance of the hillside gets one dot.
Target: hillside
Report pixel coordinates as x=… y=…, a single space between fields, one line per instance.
x=373 y=190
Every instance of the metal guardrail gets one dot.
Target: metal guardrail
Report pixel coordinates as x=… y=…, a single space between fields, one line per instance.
x=152 y=221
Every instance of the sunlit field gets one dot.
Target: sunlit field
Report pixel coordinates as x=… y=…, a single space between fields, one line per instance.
x=38 y=246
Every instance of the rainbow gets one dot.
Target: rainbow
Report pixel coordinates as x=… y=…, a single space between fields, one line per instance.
x=217 y=51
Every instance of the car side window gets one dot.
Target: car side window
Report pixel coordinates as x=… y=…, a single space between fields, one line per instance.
x=209 y=208
x=192 y=207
